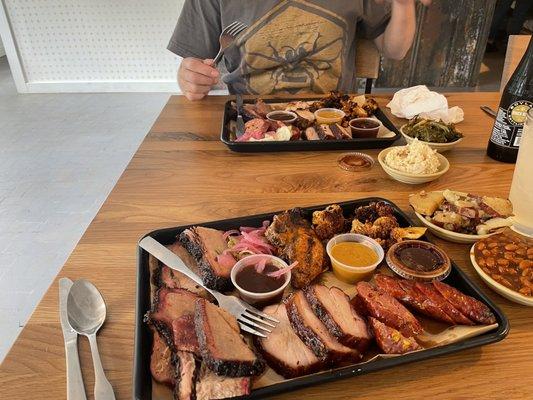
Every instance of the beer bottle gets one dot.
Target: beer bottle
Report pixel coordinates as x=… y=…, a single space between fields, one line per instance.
x=517 y=99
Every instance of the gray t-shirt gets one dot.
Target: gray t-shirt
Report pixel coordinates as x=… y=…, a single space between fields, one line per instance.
x=290 y=46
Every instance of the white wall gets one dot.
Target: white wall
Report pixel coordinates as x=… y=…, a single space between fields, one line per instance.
x=91 y=45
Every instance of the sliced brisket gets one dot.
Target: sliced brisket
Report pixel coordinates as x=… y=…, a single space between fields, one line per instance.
x=382 y=306
x=161 y=361
x=210 y=386
x=391 y=341
x=221 y=345
x=311 y=134
x=314 y=333
x=184 y=333
x=332 y=306
x=205 y=244
x=283 y=350
x=185 y=376
x=472 y=308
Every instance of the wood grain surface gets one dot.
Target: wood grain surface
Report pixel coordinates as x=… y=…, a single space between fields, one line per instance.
x=182 y=174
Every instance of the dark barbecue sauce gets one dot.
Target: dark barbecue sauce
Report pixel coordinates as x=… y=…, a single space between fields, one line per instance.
x=419 y=259
x=252 y=281
x=365 y=124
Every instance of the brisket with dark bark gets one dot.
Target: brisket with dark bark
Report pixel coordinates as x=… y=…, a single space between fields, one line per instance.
x=391 y=341
x=185 y=376
x=283 y=350
x=472 y=308
x=221 y=345
x=205 y=244
x=332 y=306
x=382 y=306
x=210 y=386
x=314 y=333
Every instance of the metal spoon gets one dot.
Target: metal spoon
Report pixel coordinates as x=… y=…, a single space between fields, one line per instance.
x=86 y=313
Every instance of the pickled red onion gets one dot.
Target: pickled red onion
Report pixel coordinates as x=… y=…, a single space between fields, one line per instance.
x=282 y=271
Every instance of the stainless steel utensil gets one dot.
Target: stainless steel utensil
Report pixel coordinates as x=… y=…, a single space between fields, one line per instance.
x=227 y=37
x=75 y=388
x=240 y=121
x=247 y=316
x=86 y=312
x=489 y=111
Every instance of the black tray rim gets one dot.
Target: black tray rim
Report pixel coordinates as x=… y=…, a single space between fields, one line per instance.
x=290 y=385
x=303 y=145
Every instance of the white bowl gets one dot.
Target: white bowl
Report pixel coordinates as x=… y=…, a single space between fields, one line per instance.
x=260 y=298
x=451 y=236
x=498 y=287
x=440 y=147
x=413 y=179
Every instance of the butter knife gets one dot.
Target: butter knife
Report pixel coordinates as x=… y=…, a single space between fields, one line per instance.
x=240 y=121
x=75 y=388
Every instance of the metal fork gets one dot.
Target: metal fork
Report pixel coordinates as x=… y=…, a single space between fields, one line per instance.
x=250 y=319
x=228 y=36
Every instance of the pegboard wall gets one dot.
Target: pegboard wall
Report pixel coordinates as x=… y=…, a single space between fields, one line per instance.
x=83 y=42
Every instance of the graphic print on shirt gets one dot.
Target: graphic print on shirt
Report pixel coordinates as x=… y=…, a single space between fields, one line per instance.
x=297 y=46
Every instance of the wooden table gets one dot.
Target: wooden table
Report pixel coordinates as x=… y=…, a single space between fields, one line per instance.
x=182 y=174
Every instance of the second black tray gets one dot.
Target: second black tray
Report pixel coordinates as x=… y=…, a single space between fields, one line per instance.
x=306 y=145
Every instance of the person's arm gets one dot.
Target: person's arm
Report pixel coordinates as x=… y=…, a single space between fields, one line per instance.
x=398 y=37
x=195 y=39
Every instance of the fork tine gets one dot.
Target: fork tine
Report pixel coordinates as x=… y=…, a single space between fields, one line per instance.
x=230 y=26
x=244 y=319
x=261 y=314
x=246 y=328
x=237 y=29
x=248 y=314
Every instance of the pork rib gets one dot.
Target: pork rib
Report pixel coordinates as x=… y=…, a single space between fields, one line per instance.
x=314 y=333
x=221 y=345
x=332 y=306
x=205 y=244
x=382 y=306
x=472 y=308
x=391 y=341
x=283 y=350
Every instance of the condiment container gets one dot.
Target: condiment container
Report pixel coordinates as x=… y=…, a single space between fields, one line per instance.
x=348 y=273
x=286 y=117
x=329 y=116
x=260 y=299
x=365 y=127
x=418 y=260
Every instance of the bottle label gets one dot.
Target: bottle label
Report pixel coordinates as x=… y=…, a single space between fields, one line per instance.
x=509 y=124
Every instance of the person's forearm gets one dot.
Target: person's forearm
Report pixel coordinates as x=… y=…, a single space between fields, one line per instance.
x=398 y=37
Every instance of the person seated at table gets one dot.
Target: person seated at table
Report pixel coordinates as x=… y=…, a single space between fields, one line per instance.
x=291 y=46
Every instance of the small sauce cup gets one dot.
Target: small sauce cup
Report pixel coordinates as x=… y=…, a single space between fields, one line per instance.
x=348 y=273
x=265 y=298
x=286 y=117
x=365 y=127
x=329 y=116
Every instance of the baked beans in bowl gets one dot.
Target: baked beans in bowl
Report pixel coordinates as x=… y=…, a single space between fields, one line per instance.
x=505 y=262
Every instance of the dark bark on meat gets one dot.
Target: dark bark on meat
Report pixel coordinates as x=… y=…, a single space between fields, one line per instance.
x=200 y=251
x=186 y=373
x=210 y=386
x=314 y=334
x=472 y=308
x=235 y=362
x=283 y=350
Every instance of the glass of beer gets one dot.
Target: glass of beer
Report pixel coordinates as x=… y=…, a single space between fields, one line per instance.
x=522 y=187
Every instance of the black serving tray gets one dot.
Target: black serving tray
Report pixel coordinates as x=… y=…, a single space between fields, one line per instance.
x=142 y=379
x=305 y=145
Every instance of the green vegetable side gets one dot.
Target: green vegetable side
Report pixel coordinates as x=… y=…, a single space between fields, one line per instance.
x=431 y=131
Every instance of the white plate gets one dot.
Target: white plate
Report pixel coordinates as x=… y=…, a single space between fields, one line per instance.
x=450 y=235
x=413 y=179
x=440 y=147
x=498 y=287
